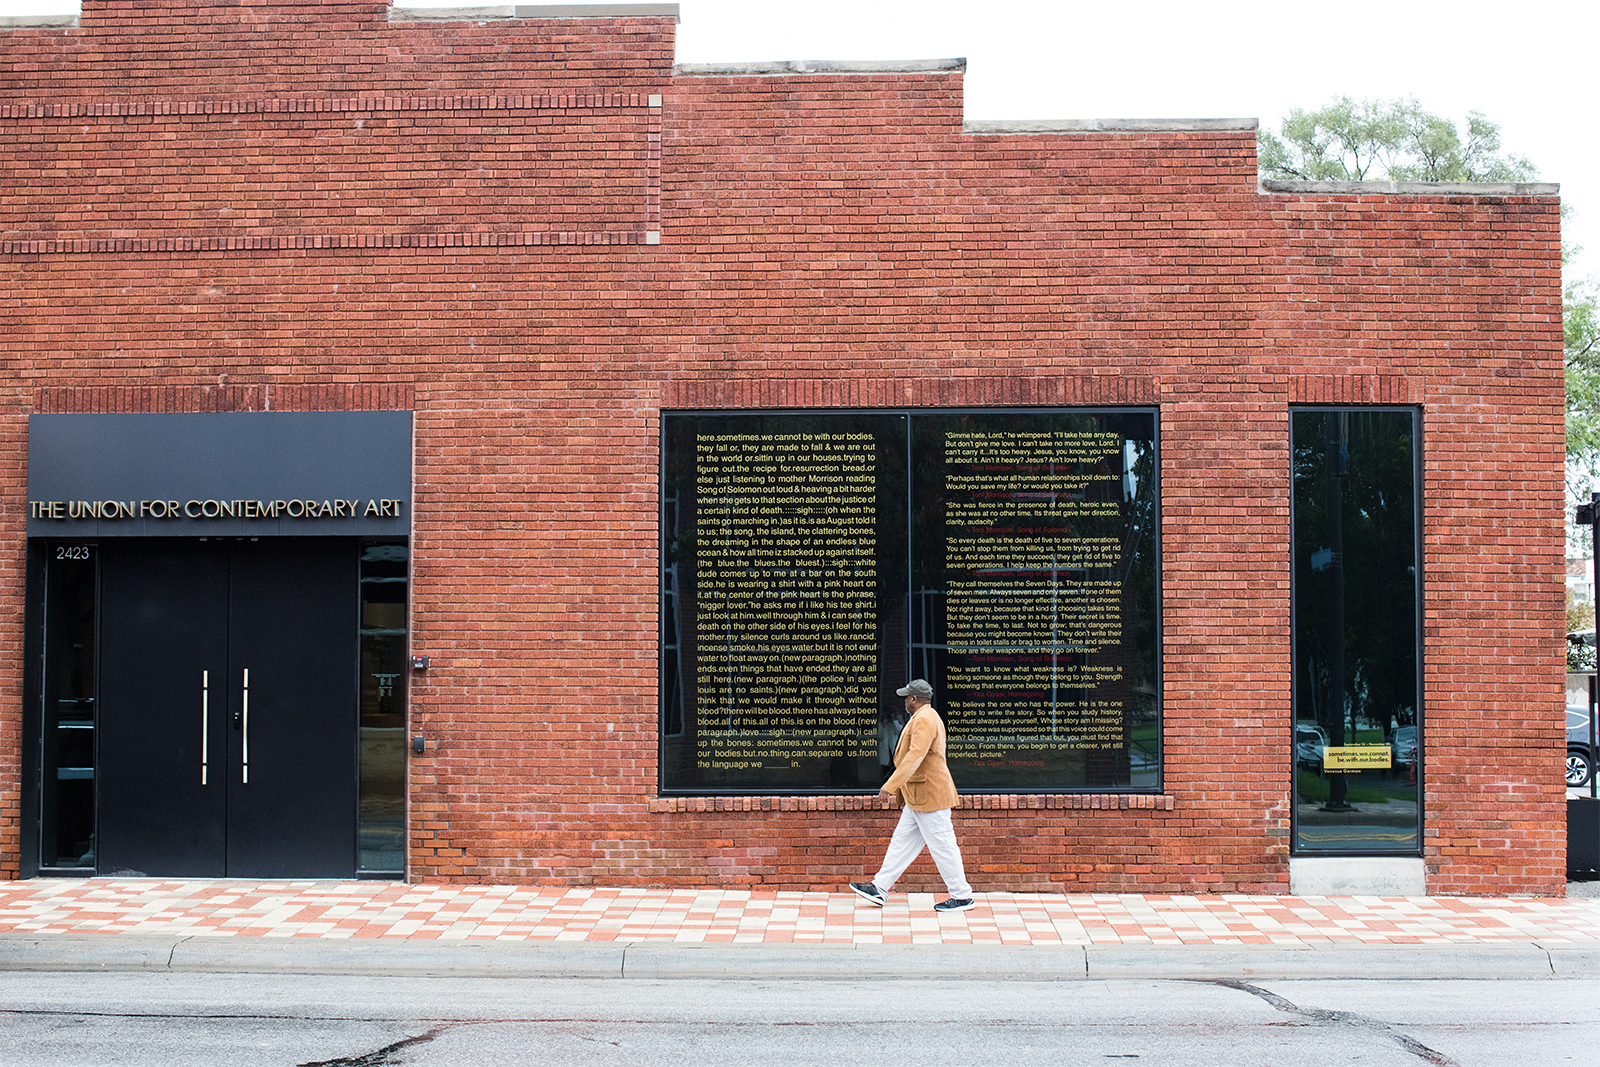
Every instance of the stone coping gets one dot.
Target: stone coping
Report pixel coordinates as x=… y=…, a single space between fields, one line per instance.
x=37 y=22
x=533 y=11
x=1014 y=126
x=969 y=802
x=433 y=14
x=817 y=66
x=1415 y=188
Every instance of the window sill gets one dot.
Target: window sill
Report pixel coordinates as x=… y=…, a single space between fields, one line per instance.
x=971 y=802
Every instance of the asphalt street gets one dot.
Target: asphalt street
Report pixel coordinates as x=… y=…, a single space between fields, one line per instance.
x=179 y=1019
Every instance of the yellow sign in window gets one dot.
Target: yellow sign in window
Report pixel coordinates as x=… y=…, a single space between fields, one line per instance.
x=1356 y=757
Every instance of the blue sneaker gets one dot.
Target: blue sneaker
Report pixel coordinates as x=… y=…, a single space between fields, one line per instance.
x=953 y=904
x=870 y=891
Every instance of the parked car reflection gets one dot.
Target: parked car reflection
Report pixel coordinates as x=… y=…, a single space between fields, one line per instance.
x=1580 y=764
x=1403 y=747
x=1309 y=741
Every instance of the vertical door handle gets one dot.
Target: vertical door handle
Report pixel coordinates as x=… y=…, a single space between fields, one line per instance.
x=205 y=722
x=245 y=724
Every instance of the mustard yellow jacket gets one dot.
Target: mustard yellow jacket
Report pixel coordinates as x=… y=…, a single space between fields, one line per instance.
x=921 y=778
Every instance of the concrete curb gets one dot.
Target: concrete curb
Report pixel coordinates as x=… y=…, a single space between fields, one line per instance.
x=667 y=960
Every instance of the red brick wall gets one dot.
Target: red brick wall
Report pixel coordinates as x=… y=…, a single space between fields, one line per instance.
x=288 y=200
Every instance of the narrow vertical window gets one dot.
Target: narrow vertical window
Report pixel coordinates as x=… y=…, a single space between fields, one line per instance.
x=1357 y=747
x=382 y=825
x=67 y=801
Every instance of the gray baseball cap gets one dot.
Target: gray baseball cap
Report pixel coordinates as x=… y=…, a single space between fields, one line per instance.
x=916 y=688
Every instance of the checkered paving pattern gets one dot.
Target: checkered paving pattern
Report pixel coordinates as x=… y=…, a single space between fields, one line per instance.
x=227 y=908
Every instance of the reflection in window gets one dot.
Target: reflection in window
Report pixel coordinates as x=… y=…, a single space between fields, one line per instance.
x=67 y=801
x=381 y=840
x=1357 y=743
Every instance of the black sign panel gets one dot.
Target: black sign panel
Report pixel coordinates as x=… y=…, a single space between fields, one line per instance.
x=813 y=562
x=281 y=473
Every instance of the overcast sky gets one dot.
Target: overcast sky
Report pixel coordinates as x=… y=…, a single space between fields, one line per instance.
x=1528 y=67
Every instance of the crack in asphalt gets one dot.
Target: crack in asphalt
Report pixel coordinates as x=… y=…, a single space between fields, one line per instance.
x=1549 y=958
x=378 y=1057
x=1326 y=1017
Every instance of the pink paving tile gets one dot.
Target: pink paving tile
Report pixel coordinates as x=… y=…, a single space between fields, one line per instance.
x=235 y=909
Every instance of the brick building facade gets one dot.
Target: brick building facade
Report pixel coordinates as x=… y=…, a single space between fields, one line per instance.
x=535 y=234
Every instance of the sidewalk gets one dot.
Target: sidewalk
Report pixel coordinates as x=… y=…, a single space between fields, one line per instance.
x=390 y=927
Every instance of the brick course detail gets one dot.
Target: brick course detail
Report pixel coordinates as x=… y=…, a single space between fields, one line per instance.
x=223 y=206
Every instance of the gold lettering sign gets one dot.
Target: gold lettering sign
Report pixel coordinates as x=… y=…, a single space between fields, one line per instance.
x=203 y=510
x=1356 y=757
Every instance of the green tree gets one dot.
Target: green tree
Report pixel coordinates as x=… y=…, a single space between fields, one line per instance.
x=1386 y=140
x=1399 y=140
x=1580 y=320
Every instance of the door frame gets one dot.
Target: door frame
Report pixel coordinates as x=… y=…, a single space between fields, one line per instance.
x=33 y=751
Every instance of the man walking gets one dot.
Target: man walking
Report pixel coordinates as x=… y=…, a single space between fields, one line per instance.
x=921 y=782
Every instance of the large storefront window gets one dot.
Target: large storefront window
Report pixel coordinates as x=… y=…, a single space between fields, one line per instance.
x=1357 y=747
x=812 y=562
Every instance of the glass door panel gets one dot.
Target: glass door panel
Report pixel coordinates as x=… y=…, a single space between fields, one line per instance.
x=381 y=843
x=68 y=796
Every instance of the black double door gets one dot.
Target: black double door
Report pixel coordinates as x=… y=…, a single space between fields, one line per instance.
x=228 y=708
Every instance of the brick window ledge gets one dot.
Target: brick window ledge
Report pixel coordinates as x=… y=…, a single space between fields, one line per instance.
x=971 y=802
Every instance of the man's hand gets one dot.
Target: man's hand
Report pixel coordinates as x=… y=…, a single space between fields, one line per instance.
x=885 y=794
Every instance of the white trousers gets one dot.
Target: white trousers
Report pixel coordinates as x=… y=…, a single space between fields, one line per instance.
x=919 y=829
